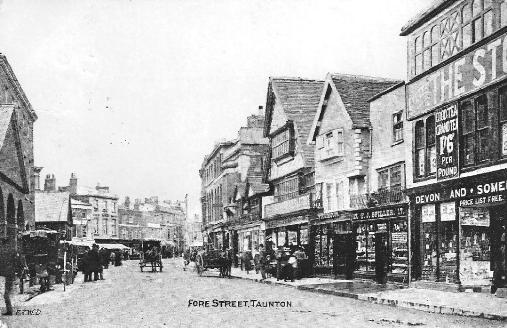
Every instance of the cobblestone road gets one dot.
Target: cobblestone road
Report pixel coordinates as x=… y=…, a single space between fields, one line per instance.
x=130 y=298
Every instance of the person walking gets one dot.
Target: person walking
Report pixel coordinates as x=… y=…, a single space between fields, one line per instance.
x=94 y=260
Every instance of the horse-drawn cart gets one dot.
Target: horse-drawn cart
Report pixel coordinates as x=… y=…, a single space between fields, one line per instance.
x=213 y=259
x=151 y=256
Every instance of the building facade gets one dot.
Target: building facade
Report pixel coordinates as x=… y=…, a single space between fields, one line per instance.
x=457 y=111
x=17 y=197
x=53 y=211
x=343 y=133
x=290 y=107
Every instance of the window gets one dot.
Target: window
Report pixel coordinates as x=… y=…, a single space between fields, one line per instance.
x=330 y=144
x=113 y=227
x=104 y=226
x=282 y=144
x=431 y=149
x=475 y=131
x=459 y=29
x=397 y=127
x=420 y=168
x=286 y=189
x=425 y=147
x=391 y=178
x=482 y=19
x=339 y=195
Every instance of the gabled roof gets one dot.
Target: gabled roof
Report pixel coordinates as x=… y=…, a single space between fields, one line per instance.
x=4 y=64
x=355 y=92
x=425 y=15
x=51 y=206
x=299 y=99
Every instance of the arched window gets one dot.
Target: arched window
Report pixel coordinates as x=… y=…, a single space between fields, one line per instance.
x=21 y=216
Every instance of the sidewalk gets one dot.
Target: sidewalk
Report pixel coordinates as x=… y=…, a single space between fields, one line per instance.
x=465 y=304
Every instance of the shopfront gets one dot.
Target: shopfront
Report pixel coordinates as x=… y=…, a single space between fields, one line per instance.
x=381 y=243
x=459 y=230
x=250 y=237
x=332 y=242
x=288 y=232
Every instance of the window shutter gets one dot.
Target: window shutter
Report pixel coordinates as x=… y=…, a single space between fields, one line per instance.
x=335 y=142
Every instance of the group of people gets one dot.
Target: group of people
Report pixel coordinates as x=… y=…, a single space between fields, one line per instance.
x=96 y=260
x=288 y=264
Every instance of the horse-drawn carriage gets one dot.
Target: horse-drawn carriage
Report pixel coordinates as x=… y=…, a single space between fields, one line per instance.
x=214 y=259
x=151 y=256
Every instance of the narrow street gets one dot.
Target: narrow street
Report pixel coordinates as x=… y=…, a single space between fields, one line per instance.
x=130 y=298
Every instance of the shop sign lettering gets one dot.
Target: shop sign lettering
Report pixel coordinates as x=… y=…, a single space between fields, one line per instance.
x=488 y=193
x=446 y=131
x=472 y=71
x=286 y=221
x=380 y=213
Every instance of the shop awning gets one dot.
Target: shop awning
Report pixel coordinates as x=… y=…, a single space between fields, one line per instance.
x=39 y=233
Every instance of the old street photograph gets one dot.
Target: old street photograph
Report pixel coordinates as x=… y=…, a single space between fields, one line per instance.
x=262 y=163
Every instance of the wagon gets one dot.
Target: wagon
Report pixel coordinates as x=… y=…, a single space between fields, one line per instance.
x=211 y=259
x=152 y=260
x=151 y=256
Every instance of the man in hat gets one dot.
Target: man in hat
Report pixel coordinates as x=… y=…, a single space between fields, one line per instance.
x=94 y=261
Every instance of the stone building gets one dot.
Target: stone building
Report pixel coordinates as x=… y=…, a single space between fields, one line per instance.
x=342 y=135
x=17 y=198
x=243 y=209
x=291 y=105
x=82 y=220
x=457 y=112
x=217 y=186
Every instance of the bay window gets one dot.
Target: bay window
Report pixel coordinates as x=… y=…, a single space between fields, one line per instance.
x=283 y=143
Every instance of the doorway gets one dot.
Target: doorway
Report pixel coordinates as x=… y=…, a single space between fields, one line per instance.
x=381 y=256
x=498 y=247
x=345 y=251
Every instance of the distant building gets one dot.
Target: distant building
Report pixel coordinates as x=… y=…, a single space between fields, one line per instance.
x=82 y=219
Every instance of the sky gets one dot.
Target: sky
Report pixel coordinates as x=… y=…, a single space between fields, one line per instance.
x=133 y=94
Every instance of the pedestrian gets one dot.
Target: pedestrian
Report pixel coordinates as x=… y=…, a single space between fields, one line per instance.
x=86 y=267
x=256 y=259
x=262 y=261
x=112 y=257
x=94 y=260
x=292 y=265
x=300 y=257
x=247 y=261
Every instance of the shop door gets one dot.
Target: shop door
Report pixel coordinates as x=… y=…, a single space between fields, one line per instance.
x=344 y=251
x=498 y=248
x=381 y=256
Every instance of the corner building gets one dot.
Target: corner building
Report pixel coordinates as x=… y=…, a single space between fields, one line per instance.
x=457 y=111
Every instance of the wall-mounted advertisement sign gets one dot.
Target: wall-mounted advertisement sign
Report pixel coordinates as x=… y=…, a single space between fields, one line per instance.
x=474 y=70
x=446 y=133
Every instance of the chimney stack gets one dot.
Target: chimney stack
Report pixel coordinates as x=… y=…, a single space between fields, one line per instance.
x=50 y=183
x=127 y=202
x=36 y=177
x=261 y=111
x=73 y=184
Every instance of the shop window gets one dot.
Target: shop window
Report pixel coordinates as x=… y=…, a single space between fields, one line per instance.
x=429 y=242
x=397 y=127
x=475 y=132
x=399 y=247
x=448 y=243
x=475 y=254
x=365 y=246
x=503 y=120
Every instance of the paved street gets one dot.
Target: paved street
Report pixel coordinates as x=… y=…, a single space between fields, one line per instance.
x=130 y=298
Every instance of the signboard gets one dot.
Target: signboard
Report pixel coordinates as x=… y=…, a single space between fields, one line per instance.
x=474 y=70
x=448 y=211
x=399 y=237
x=476 y=193
x=372 y=214
x=504 y=140
x=428 y=213
x=291 y=220
x=446 y=133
